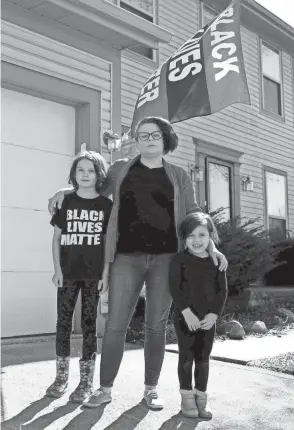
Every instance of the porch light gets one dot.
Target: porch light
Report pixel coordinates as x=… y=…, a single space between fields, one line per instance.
x=112 y=141
x=195 y=172
x=247 y=183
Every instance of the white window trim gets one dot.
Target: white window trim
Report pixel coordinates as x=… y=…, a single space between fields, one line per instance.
x=281 y=83
x=266 y=215
x=142 y=59
x=136 y=56
x=153 y=16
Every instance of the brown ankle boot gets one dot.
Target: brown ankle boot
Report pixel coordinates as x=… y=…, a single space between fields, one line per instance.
x=188 y=405
x=60 y=384
x=201 y=403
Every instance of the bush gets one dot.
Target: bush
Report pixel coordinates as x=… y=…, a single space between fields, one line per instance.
x=250 y=250
x=283 y=275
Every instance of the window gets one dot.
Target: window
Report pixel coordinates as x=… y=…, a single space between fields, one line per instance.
x=207 y=14
x=145 y=9
x=276 y=201
x=271 y=80
x=219 y=185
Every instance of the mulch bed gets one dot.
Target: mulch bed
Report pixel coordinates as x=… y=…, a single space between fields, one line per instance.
x=276 y=327
x=283 y=363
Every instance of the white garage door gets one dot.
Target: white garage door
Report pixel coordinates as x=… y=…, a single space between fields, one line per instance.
x=37 y=143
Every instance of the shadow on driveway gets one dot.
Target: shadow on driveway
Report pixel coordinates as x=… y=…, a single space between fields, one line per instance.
x=24 y=420
x=27 y=414
x=179 y=422
x=130 y=418
x=86 y=419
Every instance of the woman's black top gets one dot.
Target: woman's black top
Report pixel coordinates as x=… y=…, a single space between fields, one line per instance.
x=146 y=213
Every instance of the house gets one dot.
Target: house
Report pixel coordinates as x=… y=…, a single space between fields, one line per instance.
x=72 y=69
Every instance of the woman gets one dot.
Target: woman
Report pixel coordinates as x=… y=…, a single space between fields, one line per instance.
x=150 y=200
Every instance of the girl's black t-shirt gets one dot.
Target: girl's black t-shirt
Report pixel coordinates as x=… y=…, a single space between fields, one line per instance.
x=83 y=223
x=146 y=213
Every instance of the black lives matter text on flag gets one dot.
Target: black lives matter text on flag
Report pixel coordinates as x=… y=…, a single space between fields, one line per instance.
x=203 y=76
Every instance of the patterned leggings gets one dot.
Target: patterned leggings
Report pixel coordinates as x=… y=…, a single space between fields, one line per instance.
x=66 y=302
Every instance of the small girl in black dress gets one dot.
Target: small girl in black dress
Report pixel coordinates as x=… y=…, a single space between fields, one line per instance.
x=199 y=292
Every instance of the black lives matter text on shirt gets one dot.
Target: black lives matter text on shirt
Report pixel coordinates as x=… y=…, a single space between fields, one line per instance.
x=83 y=222
x=146 y=212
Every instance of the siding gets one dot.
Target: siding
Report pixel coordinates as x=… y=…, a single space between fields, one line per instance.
x=263 y=139
x=28 y=49
x=133 y=76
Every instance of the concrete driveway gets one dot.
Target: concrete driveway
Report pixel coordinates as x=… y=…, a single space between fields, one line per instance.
x=242 y=398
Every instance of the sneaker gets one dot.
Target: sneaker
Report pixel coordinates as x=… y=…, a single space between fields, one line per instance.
x=97 y=398
x=152 y=400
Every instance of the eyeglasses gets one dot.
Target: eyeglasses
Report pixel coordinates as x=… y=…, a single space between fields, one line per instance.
x=144 y=136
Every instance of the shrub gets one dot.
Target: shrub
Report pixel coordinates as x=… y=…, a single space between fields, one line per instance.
x=282 y=275
x=250 y=250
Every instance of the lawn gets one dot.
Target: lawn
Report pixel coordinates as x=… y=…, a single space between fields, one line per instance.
x=283 y=363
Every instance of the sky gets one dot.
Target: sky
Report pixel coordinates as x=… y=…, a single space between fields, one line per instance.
x=284 y=9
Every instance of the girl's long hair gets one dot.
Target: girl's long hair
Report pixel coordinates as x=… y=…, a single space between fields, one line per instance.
x=99 y=164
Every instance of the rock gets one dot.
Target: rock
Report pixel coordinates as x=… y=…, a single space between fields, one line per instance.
x=286 y=313
x=256 y=327
x=233 y=329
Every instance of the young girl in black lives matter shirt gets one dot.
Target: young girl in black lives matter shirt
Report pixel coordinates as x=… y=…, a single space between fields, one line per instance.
x=199 y=292
x=78 y=251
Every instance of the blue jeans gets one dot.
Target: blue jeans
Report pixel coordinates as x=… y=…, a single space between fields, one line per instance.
x=128 y=273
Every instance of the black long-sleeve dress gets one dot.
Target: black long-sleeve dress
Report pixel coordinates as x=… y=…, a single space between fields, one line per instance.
x=197 y=283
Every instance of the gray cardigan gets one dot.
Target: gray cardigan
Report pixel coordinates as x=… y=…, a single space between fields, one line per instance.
x=184 y=199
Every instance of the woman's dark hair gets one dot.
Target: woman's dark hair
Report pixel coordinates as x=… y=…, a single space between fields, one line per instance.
x=170 y=139
x=195 y=219
x=99 y=164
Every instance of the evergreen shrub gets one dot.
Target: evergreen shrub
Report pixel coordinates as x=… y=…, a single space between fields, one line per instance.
x=251 y=250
